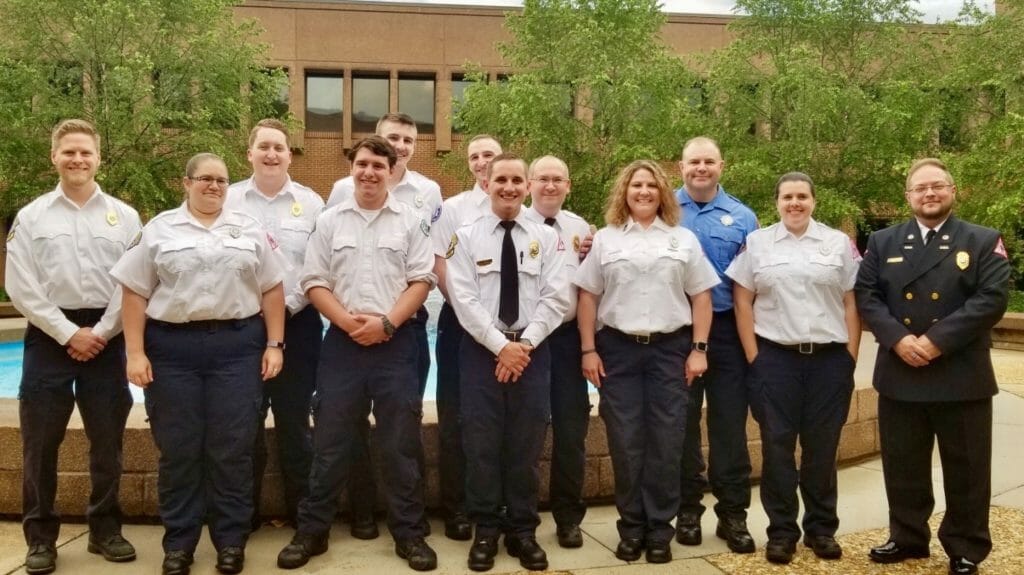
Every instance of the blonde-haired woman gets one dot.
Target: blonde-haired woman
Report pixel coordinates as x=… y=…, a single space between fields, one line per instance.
x=642 y=344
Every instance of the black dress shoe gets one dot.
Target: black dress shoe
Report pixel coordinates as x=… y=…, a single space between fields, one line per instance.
x=458 y=527
x=176 y=562
x=41 y=558
x=735 y=533
x=418 y=554
x=629 y=549
x=824 y=546
x=113 y=548
x=481 y=554
x=779 y=551
x=688 y=530
x=962 y=566
x=530 y=554
x=231 y=560
x=364 y=527
x=569 y=536
x=302 y=547
x=892 y=552
x=658 y=552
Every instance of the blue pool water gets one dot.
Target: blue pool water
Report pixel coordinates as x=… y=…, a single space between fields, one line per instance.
x=11 y=355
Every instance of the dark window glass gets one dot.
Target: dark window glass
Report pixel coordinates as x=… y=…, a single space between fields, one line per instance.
x=370 y=101
x=459 y=85
x=416 y=98
x=323 y=102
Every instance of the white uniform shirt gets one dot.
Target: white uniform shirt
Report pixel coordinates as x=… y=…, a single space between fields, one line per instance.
x=290 y=217
x=59 y=255
x=571 y=230
x=416 y=190
x=367 y=262
x=643 y=276
x=460 y=210
x=474 y=280
x=798 y=283
x=190 y=273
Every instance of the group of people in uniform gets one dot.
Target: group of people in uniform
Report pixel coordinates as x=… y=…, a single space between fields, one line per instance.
x=679 y=300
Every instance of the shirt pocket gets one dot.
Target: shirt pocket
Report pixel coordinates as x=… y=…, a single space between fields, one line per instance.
x=294 y=236
x=619 y=267
x=344 y=251
x=391 y=255
x=671 y=265
x=770 y=271
x=53 y=247
x=109 y=245
x=727 y=243
x=177 y=257
x=826 y=270
x=239 y=254
x=529 y=283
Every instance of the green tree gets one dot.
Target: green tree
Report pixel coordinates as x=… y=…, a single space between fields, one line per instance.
x=844 y=90
x=594 y=84
x=161 y=79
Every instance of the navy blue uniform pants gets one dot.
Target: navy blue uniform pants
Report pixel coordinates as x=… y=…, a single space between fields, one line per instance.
x=644 y=407
x=452 y=458
x=289 y=395
x=803 y=397
x=503 y=426
x=963 y=429
x=362 y=487
x=728 y=459
x=570 y=416
x=204 y=407
x=351 y=378
x=51 y=384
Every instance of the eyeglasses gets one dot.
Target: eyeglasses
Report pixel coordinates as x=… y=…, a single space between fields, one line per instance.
x=925 y=188
x=209 y=180
x=557 y=181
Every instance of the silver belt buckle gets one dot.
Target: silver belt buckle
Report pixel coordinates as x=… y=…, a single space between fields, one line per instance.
x=807 y=348
x=643 y=339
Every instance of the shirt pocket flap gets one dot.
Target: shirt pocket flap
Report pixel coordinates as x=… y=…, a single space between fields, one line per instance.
x=613 y=256
x=297 y=225
x=392 y=242
x=831 y=260
x=240 y=244
x=678 y=254
x=177 y=245
x=344 y=241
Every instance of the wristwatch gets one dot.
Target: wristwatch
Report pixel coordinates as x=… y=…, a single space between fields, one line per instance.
x=389 y=328
x=275 y=343
x=701 y=346
x=525 y=342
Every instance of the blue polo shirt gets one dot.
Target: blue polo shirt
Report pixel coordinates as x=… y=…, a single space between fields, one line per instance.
x=722 y=226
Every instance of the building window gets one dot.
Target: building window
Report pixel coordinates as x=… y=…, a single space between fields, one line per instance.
x=324 y=102
x=279 y=107
x=416 y=98
x=370 y=100
x=459 y=85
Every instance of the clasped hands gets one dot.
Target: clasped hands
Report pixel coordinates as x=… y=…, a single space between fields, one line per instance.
x=512 y=361
x=916 y=351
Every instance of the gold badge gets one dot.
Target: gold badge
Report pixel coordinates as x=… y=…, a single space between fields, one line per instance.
x=534 y=249
x=296 y=209
x=483 y=263
x=112 y=218
x=451 y=247
x=576 y=244
x=963 y=260
x=10 y=234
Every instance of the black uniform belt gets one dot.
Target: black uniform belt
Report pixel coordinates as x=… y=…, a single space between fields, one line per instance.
x=85 y=317
x=512 y=335
x=206 y=324
x=647 y=338
x=804 y=348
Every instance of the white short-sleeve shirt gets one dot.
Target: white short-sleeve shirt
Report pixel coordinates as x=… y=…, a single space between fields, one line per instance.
x=571 y=230
x=415 y=190
x=59 y=255
x=189 y=272
x=798 y=283
x=644 y=276
x=460 y=210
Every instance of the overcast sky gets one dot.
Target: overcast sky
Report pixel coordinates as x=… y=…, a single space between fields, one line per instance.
x=933 y=9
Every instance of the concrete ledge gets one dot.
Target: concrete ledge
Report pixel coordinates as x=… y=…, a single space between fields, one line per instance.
x=138 y=486
x=1009 y=332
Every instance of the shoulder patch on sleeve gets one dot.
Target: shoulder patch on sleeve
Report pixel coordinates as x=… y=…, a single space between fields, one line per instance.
x=451 y=247
x=436 y=215
x=14 y=227
x=136 y=240
x=999 y=251
x=425 y=228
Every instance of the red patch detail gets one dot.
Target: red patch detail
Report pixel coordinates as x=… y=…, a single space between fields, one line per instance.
x=561 y=244
x=1001 y=249
x=273 y=242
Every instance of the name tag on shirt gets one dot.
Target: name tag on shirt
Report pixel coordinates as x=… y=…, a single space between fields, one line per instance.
x=894 y=260
x=482 y=263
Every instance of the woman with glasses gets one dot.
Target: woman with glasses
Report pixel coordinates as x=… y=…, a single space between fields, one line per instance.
x=642 y=345
x=797 y=321
x=204 y=322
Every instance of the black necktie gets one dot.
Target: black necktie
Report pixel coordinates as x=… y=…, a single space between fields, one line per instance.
x=508 y=302
x=550 y=221
x=929 y=237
